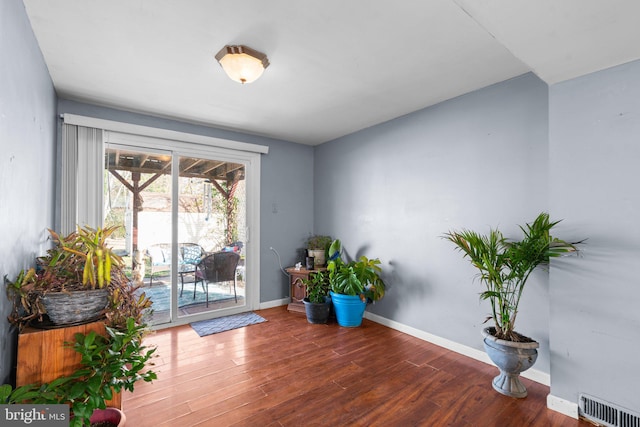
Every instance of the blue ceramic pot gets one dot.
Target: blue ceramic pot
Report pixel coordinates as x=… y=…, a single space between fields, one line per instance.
x=349 y=309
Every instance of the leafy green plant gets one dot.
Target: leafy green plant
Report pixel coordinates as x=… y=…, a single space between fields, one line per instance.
x=21 y=292
x=505 y=266
x=361 y=277
x=25 y=393
x=317 y=286
x=80 y=260
x=110 y=364
x=91 y=246
x=319 y=242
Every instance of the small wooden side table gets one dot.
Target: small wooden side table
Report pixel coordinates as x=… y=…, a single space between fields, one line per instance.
x=298 y=290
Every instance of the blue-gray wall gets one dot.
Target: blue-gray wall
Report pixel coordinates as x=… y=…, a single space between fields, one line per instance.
x=497 y=157
x=27 y=147
x=391 y=191
x=595 y=173
x=286 y=182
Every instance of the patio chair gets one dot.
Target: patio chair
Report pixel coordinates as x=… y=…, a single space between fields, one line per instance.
x=189 y=255
x=160 y=259
x=219 y=267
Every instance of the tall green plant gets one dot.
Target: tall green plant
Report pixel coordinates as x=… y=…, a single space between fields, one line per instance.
x=505 y=266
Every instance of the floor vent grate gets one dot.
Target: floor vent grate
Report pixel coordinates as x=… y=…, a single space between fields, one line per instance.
x=606 y=413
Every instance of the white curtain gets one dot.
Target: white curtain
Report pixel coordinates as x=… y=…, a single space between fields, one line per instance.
x=82 y=176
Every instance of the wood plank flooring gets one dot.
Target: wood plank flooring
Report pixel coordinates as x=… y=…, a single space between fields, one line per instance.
x=287 y=372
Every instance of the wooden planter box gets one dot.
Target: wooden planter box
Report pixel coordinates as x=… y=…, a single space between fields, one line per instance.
x=42 y=356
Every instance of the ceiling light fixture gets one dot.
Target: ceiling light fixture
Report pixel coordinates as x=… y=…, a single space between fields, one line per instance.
x=241 y=63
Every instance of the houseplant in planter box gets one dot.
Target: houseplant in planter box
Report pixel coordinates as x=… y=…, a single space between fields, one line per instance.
x=317 y=304
x=317 y=246
x=504 y=267
x=353 y=285
x=109 y=364
x=74 y=283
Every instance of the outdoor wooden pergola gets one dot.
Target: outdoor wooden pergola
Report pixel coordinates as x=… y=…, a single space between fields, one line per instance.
x=214 y=171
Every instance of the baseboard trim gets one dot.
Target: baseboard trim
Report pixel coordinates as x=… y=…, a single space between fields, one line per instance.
x=532 y=374
x=274 y=303
x=563 y=406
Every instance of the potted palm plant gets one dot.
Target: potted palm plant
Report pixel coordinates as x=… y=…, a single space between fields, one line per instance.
x=353 y=285
x=317 y=303
x=504 y=268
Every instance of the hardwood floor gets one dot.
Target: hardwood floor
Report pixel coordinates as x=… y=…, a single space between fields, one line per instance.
x=287 y=372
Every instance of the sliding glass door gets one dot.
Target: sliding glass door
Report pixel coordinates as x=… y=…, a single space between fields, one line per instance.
x=184 y=228
x=211 y=224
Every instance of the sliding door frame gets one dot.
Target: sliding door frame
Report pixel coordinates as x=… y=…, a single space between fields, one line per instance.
x=251 y=161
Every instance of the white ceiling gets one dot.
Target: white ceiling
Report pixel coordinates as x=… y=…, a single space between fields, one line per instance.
x=337 y=66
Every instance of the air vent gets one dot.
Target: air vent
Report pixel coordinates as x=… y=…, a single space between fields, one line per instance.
x=606 y=413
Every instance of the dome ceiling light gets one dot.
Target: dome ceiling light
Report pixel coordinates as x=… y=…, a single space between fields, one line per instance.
x=241 y=63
